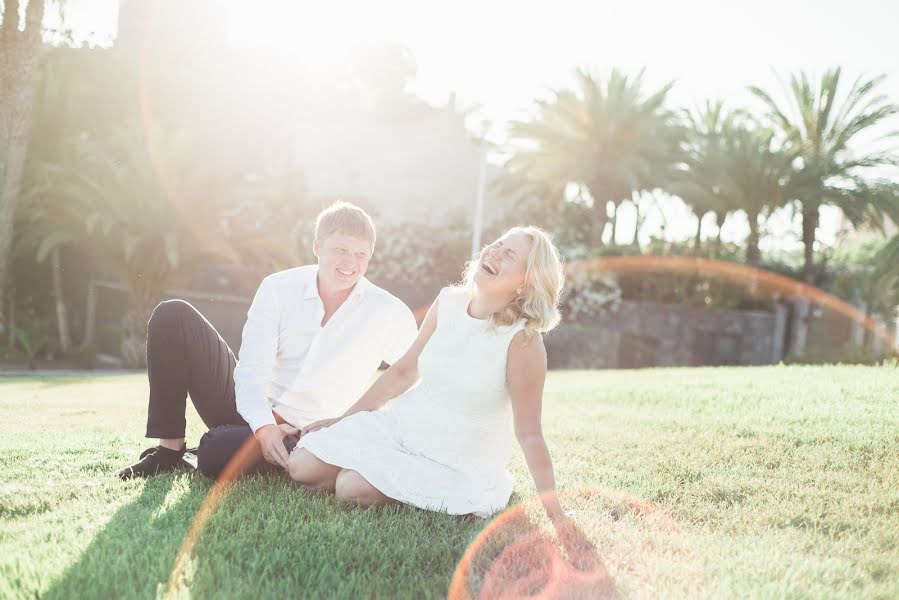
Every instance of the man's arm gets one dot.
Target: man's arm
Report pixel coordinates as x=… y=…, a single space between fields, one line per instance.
x=258 y=349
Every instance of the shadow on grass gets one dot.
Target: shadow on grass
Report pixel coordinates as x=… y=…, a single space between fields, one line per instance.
x=265 y=529
x=132 y=556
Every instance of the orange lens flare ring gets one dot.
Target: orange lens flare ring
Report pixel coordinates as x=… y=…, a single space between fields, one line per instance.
x=758 y=281
x=513 y=558
x=211 y=244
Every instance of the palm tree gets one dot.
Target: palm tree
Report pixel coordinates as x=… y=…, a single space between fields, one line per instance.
x=820 y=127
x=700 y=182
x=58 y=102
x=19 y=56
x=610 y=139
x=152 y=216
x=40 y=235
x=757 y=176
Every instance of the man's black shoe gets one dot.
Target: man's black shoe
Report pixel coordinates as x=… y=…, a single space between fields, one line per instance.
x=151 y=449
x=154 y=461
x=189 y=458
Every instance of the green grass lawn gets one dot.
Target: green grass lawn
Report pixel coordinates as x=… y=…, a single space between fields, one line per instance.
x=759 y=482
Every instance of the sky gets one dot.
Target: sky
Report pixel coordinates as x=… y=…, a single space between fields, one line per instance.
x=499 y=55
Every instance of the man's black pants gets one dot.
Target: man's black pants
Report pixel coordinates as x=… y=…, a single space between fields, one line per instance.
x=187 y=356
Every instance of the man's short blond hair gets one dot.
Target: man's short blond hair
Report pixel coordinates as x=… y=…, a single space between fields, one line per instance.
x=346 y=218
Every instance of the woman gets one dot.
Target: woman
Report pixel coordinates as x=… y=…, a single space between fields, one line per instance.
x=477 y=366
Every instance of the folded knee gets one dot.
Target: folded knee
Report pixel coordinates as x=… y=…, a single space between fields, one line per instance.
x=297 y=470
x=168 y=311
x=304 y=469
x=352 y=487
x=218 y=446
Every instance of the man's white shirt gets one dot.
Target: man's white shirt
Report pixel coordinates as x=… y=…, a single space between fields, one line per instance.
x=292 y=365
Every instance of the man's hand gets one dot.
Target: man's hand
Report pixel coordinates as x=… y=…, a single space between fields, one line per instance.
x=271 y=440
x=318 y=425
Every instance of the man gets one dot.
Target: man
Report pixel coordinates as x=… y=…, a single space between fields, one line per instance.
x=314 y=337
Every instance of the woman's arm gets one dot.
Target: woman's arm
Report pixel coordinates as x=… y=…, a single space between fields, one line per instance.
x=526 y=374
x=397 y=379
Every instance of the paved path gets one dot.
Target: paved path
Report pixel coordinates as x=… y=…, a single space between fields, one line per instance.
x=68 y=372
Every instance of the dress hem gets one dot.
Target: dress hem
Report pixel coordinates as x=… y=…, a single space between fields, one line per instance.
x=345 y=462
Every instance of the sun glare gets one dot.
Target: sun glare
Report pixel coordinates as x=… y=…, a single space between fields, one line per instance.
x=322 y=29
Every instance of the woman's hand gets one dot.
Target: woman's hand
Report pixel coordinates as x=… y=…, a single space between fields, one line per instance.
x=581 y=552
x=318 y=425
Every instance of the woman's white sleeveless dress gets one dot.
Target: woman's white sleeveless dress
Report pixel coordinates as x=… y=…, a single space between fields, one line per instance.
x=445 y=444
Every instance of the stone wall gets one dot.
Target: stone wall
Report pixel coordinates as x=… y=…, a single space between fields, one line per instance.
x=632 y=334
x=646 y=334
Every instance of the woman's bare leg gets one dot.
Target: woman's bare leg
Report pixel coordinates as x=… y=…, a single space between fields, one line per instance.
x=353 y=487
x=305 y=468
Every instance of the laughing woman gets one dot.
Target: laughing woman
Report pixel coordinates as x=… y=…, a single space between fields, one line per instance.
x=473 y=375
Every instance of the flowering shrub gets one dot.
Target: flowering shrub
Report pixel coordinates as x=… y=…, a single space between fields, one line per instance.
x=587 y=294
x=413 y=261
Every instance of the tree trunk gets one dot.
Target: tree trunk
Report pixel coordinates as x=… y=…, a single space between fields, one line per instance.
x=719 y=221
x=809 y=229
x=134 y=333
x=62 y=313
x=635 y=200
x=615 y=207
x=697 y=241
x=600 y=219
x=11 y=333
x=90 y=318
x=753 y=255
x=19 y=54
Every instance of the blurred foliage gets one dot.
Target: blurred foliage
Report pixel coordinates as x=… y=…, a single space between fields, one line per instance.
x=819 y=121
x=847 y=354
x=856 y=273
x=142 y=174
x=609 y=137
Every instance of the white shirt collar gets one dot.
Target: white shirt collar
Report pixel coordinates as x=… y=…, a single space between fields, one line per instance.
x=311 y=289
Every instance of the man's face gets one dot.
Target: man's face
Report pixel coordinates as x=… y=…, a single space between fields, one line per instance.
x=342 y=260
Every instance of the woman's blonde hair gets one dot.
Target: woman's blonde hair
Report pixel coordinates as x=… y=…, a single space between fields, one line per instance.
x=544 y=277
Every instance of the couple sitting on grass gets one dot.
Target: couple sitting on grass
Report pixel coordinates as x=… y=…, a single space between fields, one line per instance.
x=434 y=431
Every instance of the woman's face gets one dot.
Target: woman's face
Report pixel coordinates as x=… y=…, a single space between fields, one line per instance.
x=502 y=264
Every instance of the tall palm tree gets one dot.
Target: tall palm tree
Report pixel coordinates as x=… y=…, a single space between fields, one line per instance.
x=19 y=57
x=820 y=124
x=700 y=182
x=58 y=103
x=757 y=176
x=610 y=138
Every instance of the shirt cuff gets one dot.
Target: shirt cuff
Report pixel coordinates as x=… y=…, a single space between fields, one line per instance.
x=260 y=419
